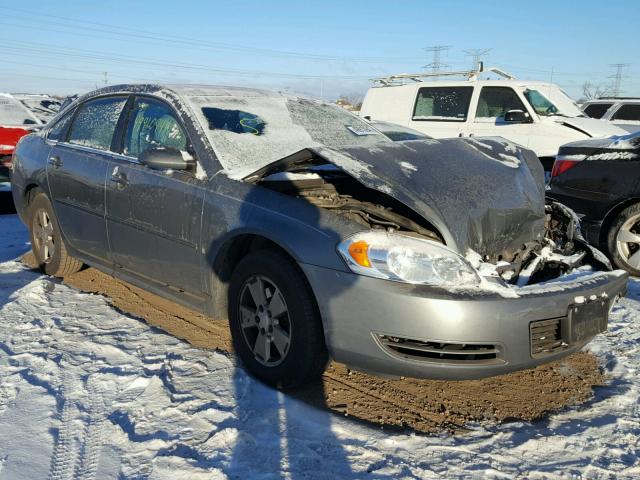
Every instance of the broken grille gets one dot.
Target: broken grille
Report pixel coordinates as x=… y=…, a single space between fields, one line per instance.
x=441 y=351
x=546 y=337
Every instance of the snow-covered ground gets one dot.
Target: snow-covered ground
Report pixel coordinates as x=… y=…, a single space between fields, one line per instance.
x=87 y=392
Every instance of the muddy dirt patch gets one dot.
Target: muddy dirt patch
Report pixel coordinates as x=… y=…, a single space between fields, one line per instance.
x=422 y=405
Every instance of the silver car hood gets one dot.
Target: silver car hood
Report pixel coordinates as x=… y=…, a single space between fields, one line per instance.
x=485 y=195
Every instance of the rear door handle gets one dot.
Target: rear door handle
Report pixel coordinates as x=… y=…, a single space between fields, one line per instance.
x=55 y=161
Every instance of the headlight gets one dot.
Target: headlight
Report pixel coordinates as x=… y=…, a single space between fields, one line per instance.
x=406 y=259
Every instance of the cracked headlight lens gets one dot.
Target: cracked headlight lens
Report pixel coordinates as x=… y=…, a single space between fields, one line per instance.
x=406 y=259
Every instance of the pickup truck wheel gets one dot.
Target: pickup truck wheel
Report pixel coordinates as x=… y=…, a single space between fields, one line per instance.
x=274 y=321
x=623 y=240
x=46 y=239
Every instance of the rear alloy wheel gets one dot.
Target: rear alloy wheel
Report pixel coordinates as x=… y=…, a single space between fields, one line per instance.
x=46 y=239
x=274 y=320
x=624 y=240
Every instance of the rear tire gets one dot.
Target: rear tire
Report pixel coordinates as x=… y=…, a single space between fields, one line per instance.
x=47 y=244
x=274 y=321
x=623 y=240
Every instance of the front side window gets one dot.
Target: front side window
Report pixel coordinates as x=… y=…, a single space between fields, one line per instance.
x=448 y=104
x=628 y=112
x=96 y=122
x=153 y=124
x=597 y=110
x=495 y=102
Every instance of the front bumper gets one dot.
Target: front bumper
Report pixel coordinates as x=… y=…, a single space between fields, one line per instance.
x=362 y=316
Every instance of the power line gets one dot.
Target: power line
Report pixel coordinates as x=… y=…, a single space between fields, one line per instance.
x=617 y=77
x=34 y=48
x=77 y=24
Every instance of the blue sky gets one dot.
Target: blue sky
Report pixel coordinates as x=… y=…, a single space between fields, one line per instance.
x=323 y=48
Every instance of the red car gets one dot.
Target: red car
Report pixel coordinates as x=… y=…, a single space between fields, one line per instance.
x=16 y=120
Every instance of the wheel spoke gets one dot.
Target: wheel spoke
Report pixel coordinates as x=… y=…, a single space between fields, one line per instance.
x=256 y=289
x=48 y=229
x=262 y=347
x=43 y=219
x=280 y=340
x=276 y=305
x=247 y=317
x=50 y=246
x=45 y=251
x=634 y=260
x=628 y=237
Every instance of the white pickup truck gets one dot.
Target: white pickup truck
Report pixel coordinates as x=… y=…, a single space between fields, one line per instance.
x=536 y=115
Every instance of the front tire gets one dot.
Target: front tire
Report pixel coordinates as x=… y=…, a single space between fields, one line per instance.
x=47 y=244
x=274 y=320
x=623 y=240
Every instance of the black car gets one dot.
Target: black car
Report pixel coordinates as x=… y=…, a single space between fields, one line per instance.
x=600 y=180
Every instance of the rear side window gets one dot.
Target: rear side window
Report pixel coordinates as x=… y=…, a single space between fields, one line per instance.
x=628 y=112
x=153 y=124
x=59 y=130
x=597 y=110
x=448 y=104
x=96 y=122
x=494 y=102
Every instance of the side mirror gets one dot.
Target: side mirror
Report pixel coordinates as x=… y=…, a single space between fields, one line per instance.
x=517 y=116
x=163 y=158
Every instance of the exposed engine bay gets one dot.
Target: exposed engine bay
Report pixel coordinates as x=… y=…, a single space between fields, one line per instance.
x=559 y=249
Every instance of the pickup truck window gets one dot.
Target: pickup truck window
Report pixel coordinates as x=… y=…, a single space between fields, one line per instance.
x=597 y=110
x=494 y=102
x=442 y=104
x=630 y=111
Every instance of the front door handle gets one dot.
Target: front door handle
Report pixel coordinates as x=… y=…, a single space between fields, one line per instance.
x=120 y=179
x=55 y=161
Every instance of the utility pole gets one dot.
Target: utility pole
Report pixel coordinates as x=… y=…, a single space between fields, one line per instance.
x=436 y=65
x=476 y=55
x=617 y=78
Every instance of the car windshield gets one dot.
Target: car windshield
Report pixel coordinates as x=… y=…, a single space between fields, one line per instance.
x=250 y=132
x=550 y=100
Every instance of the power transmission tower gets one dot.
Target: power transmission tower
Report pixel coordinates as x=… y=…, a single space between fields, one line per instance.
x=476 y=55
x=617 y=78
x=436 y=65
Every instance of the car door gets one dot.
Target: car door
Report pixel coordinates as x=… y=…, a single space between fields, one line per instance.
x=154 y=216
x=489 y=119
x=441 y=111
x=77 y=169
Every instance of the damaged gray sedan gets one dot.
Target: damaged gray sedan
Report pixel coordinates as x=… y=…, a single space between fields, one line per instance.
x=315 y=234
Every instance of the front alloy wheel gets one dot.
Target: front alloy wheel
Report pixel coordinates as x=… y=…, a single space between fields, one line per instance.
x=274 y=320
x=264 y=318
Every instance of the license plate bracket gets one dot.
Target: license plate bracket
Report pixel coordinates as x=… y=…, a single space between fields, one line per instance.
x=588 y=319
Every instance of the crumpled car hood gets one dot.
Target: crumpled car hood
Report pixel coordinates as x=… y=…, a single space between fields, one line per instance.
x=486 y=195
